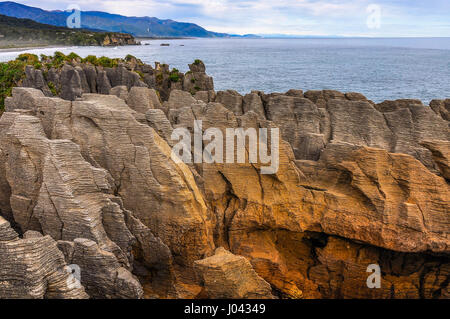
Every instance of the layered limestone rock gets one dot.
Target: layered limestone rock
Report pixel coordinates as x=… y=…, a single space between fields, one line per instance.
x=440 y=151
x=364 y=170
x=101 y=273
x=226 y=276
x=116 y=39
x=112 y=150
x=34 y=268
x=144 y=175
x=35 y=78
x=196 y=78
x=441 y=108
x=73 y=78
x=57 y=192
x=358 y=184
x=232 y=100
x=386 y=199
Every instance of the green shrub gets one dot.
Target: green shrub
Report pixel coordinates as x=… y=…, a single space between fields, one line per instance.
x=58 y=59
x=174 y=75
x=92 y=59
x=72 y=56
x=29 y=58
x=59 y=55
x=52 y=88
x=159 y=78
x=141 y=75
x=159 y=95
x=107 y=62
x=11 y=73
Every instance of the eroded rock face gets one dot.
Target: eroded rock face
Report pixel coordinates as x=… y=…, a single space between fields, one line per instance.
x=196 y=79
x=358 y=183
x=160 y=193
x=35 y=78
x=365 y=194
x=59 y=194
x=74 y=78
x=232 y=100
x=101 y=273
x=441 y=108
x=112 y=151
x=440 y=150
x=229 y=276
x=34 y=268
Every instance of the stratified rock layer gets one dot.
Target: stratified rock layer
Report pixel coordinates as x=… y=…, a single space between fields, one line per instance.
x=358 y=183
x=225 y=275
x=33 y=267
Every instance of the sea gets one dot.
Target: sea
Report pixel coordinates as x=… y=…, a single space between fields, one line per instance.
x=380 y=68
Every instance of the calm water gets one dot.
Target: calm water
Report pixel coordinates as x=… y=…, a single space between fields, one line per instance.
x=379 y=68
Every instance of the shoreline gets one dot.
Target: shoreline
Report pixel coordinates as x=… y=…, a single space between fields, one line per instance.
x=167 y=38
x=26 y=48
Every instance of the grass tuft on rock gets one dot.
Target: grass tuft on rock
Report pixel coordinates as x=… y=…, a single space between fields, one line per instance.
x=174 y=75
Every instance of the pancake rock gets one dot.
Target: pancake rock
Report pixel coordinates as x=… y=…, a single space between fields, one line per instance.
x=91 y=174
x=228 y=276
x=33 y=267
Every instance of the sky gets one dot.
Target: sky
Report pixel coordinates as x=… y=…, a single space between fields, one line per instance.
x=373 y=18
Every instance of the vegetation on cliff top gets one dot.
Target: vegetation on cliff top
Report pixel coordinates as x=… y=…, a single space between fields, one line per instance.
x=13 y=72
x=174 y=75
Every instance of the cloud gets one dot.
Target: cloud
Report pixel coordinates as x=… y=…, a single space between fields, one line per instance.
x=319 y=17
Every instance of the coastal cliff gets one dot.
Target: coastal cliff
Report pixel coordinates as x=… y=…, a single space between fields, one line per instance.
x=86 y=178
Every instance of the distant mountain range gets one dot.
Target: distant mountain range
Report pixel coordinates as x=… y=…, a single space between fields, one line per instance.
x=96 y=20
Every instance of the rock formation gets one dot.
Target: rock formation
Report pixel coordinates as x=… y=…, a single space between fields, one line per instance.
x=33 y=267
x=225 y=275
x=114 y=39
x=76 y=76
x=88 y=180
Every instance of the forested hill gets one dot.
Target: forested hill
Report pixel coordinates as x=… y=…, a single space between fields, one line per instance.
x=16 y=32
